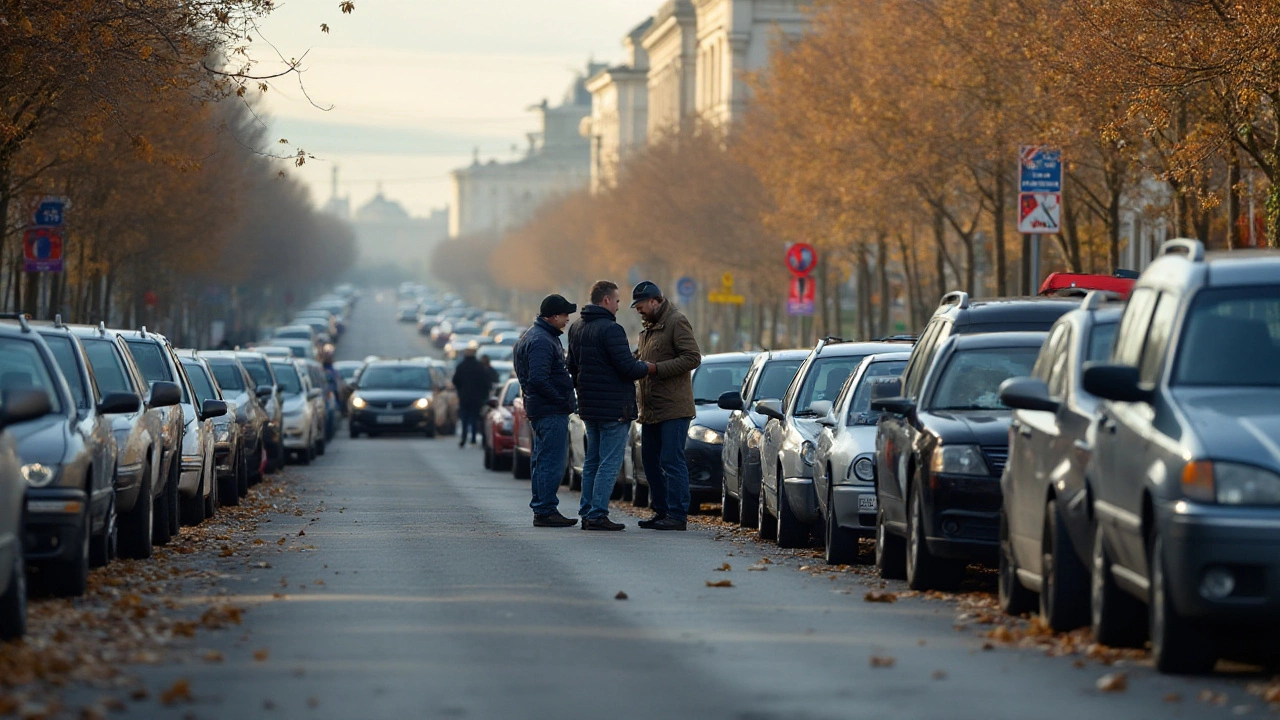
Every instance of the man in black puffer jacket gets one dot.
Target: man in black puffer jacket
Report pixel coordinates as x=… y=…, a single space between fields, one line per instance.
x=604 y=372
x=548 y=403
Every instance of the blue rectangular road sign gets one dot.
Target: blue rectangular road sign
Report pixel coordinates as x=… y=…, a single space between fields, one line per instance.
x=1039 y=169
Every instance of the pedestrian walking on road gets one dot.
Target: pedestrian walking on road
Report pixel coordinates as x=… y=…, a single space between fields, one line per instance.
x=488 y=366
x=473 y=383
x=666 y=404
x=548 y=403
x=604 y=372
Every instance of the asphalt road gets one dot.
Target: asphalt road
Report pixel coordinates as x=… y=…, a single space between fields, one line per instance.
x=440 y=600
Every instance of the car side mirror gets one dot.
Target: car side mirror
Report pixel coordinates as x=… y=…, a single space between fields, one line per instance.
x=19 y=406
x=771 y=409
x=492 y=402
x=213 y=409
x=822 y=408
x=119 y=403
x=264 y=391
x=165 y=394
x=313 y=393
x=884 y=388
x=1120 y=383
x=731 y=400
x=1027 y=393
x=893 y=405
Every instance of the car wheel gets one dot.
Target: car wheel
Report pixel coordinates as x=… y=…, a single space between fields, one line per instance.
x=488 y=457
x=70 y=578
x=211 y=503
x=160 y=530
x=501 y=463
x=192 y=510
x=842 y=543
x=258 y=460
x=138 y=525
x=891 y=551
x=104 y=546
x=1064 y=595
x=1014 y=598
x=766 y=524
x=791 y=532
x=249 y=469
x=431 y=429
x=746 y=502
x=305 y=456
x=321 y=446
x=1116 y=617
x=1179 y=645
x=924 y=571
x=520 y=466
x=13 y=604
x=352 y=432
x=730 y=511
x=175 y=476
x=229 y=487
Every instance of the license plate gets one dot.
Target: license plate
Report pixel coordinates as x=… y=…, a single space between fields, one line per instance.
x=866 y=503
x=390 y=419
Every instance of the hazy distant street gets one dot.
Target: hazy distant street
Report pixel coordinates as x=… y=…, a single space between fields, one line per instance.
x=439 y=599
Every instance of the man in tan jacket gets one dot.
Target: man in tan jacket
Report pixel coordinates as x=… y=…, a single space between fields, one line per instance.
x=666 y=404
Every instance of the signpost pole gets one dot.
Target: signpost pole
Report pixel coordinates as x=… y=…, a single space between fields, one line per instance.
x=1035 y=265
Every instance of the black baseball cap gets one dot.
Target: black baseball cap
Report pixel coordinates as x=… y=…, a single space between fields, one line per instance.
x=553 y=305
x=644 y=291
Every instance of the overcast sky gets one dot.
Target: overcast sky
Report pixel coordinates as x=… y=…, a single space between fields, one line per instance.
x=415 y=85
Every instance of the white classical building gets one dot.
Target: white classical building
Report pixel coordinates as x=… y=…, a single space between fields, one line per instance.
x=491 y=198
x=671 y=43
x=619 y=122
x=734 y=39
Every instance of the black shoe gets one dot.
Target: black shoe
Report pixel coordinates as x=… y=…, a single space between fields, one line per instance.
x=555 y=519
x=462 y=444
x=652 y=522
x=602 y=523
x=667 y=523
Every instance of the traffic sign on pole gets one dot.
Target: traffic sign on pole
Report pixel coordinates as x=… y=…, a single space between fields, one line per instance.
x=725 y=295
x=802 y=258
x=1039 y=169
x=42 y=249
x=686 y=288
x=801 y=300
x=1040 y=213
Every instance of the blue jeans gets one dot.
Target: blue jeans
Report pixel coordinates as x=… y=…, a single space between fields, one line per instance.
x=606 y=441
x=662 y=451
x=470 y=422
x=550 y=452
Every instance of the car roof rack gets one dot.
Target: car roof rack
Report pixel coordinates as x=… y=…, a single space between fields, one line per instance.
x=898 y=338
x=1094 y=300
x=1193 y=250
x=959 y=298
x=57 y=322
x=20 y=317
x=102 y=328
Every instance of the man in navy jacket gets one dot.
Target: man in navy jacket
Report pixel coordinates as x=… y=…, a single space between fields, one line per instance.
x=604 y=372
x=548 y=403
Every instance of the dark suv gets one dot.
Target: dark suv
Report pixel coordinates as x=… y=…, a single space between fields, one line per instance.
x=1186 y=458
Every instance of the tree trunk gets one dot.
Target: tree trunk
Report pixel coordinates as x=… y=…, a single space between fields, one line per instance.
x=1113 y=237
x=940 y=237
x=882 y=263
x=1002 y=270
x=1233 y=199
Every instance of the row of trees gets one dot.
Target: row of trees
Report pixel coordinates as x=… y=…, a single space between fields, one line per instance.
x=180 y=215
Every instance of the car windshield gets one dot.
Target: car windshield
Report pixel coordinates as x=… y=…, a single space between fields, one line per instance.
x=200 y=384
x=971 y=379
x=1101 y=338
x=825 y=379
x=396 y=377
x=860 y=412
x=288 y=378
x=775 y=378
x=348 y=371
x=108 y=368
x=150 y=361
x=294 y=333
x=228 y=376
x=23 y=368
x=65 y=354
x=1232 y=338
x=513 y=392
x=712 y=380
x=258 y=370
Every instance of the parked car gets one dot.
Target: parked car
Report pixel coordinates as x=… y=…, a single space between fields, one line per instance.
x=939 y=460
x=326 y=409
x=1045 y=524
x=522 y=430
x=844 y=466
x=703 y=448
x=300 y=427
x=294 y=332
x=268 y=392
x=16 y=407
x=154 y=356
x=394 y=396
x=497 y=427
x=1185 y=468
x=788 y=507
x=298 y=349
x=347 y=370
x=244 y=459
x=140 y=433
x=407 y=312
x=768 y=378
x=214 y=419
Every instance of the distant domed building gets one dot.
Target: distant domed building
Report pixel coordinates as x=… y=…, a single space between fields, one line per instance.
x=388 y=235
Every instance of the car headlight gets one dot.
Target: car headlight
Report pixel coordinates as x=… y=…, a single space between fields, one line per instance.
x=423 y=403
x=808 y=453
x=358 y=402
x=959 y=460
x=705 y=434
x=222 y=434
x=1230 y=483
x=38 y=474
x=753 y=439
x=863 y=469
x=507 y=426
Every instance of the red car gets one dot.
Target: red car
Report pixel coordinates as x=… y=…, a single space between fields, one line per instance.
x=522 y=434
x=498 y=427
x=1120 y=284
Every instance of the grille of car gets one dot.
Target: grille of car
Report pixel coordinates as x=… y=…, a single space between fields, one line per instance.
x=397 y=405
x=996 y=457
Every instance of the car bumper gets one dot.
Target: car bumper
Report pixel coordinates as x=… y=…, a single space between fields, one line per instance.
x=802 y=498
x=706 y=463
x=189 y=481
x=53 y=523
x=1245 y=541
x=128 y=485
x=412 y=420
x=751 y=473
x=224 y=459
x=503 y=445
x=855 y=507
x=963 y=517
x=295 y=438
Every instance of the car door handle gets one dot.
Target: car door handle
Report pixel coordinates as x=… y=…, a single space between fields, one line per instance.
x=1024 y=430
x=1082 y=446
x=1109 y=426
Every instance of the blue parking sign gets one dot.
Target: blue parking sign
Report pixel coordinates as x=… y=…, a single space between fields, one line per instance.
x=50 y=212
x=686 y=287
x=1039 y=169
